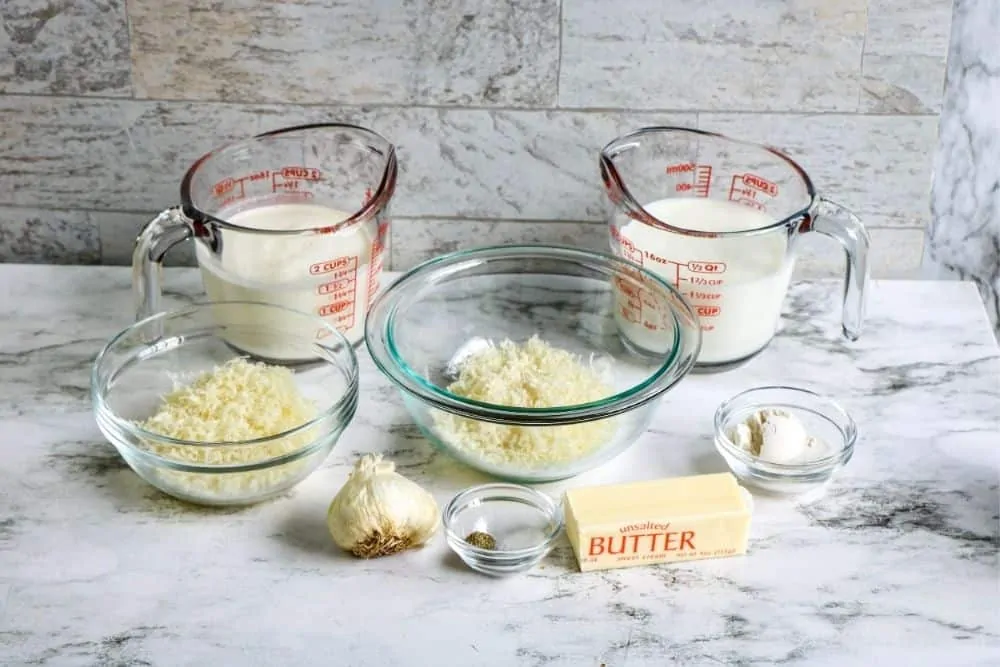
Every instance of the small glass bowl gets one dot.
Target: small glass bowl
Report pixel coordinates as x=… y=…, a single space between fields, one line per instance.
x=823 y=419
x=149 y=358
x=524 y=522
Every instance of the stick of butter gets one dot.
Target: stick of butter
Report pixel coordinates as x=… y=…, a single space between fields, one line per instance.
x=659 y=521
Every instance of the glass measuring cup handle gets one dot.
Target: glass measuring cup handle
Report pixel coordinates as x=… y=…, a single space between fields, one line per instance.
x=837 y=222
x=158 y=236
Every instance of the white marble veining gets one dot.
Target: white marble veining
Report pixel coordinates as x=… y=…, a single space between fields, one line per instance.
x=897 y=564
x=963 y=239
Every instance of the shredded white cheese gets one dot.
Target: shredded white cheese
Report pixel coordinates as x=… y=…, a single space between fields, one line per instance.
x=233 y=403
x=529 y=375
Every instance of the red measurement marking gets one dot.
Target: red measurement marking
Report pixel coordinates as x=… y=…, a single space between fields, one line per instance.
x=291 y=196
x=341 y=286
x=703 y=180
x=629 y=250
x=760 y=183
x=707 y=311
x=630 y=297
x=681 y=168
x=373 y=282
x=750 y=203
x=336 y=308
x=291 y=178
x=224 y=187
x=233 y=188
x=659 y=260
x=283 y=185
x=745 y=189
x=329 y=266
x=626 y=288
x=699 y=281
x=648 y=300
x=229 y=190
x=344 y=321
x=342 y=294
x=301 y=174
x=334 y=286
x=375 y=267
x=630 y=314
x=706 y=267
x=694 y=273
x=341 y=274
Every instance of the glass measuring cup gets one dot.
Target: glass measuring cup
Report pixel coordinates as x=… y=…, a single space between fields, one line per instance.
x=721 y=219
x=297 y=217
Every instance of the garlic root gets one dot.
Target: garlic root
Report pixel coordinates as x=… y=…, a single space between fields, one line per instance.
x=381 y=544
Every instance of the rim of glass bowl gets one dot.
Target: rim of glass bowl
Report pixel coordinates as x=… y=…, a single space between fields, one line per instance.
x=343 y=407
x=463 y=500
x=841 y=420
x=380 y=340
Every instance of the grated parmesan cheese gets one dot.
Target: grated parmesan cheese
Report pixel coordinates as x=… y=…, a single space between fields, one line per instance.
x=236 y=402
x=529 y=375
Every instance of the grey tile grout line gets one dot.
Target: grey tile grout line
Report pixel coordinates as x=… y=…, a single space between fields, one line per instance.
x=558 y=102
x=400 y=218
x=131 y=62
x=101 y=240
x=864 y=47
x=401 y=106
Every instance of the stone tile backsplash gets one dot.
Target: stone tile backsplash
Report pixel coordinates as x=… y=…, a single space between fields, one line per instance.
x=905 y=56
x=64 y=48
x=498 y=109
x=323 y=51
x=757 y=55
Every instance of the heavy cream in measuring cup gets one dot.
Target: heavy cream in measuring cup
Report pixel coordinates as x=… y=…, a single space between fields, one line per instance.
x=736 y=285
x=331 y=275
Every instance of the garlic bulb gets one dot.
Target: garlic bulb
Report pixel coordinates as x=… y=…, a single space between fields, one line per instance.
x=379 y=512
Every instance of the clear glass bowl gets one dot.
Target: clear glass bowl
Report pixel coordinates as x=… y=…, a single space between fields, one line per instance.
x=571 y=299
x=823 y=419
x=523 y=522
x=148 y=359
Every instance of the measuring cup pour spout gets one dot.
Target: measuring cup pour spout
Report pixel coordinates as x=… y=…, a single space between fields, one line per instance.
x=722 y=220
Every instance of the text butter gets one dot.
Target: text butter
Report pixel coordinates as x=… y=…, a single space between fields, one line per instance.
x=660 y=521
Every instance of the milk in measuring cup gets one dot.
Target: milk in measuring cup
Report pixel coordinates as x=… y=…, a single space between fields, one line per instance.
x=736 y=285
x=330 y=275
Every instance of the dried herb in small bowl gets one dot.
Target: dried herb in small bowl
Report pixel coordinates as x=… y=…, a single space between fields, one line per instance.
x=482 y=540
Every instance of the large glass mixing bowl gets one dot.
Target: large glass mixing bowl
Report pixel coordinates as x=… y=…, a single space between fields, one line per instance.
x=630 y=326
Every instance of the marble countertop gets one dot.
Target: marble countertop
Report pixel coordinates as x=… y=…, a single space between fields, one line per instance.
x=898 y=560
